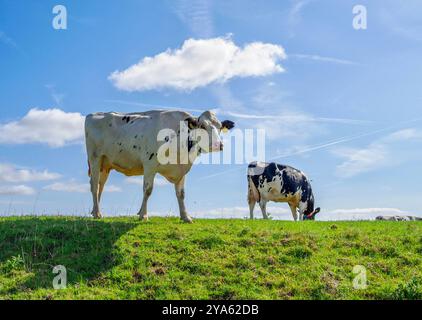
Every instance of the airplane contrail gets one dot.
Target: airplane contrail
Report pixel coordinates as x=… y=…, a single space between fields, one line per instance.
x=246 y=116
x=299 y=118
x=322 y=145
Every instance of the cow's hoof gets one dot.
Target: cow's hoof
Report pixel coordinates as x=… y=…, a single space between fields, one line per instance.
x=143 y=218
x=187 y=219
x=96 y=215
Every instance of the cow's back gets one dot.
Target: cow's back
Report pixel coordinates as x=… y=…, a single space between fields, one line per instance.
x=103 y=127
x=277 y=182
x=128 y=140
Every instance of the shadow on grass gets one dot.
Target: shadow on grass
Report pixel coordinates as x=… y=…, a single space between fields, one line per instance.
x=30 y=247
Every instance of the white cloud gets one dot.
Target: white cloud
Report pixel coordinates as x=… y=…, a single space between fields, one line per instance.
x=10 y=173
x=197 y=15
x=16 y=190
x=360 y=160
x=242 y=212
x=402 y=21
x=365 y=211
x=56 y=96
x=405 y=134
x=287 y=123
x=198 y=63
x=53 y=127
x=74 y=187
x=376 y=155
x=360 y=214
x=282 y=212
x=158 y=181
x=295 y=12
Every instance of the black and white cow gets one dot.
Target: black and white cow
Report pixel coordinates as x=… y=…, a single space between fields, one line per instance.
x=129 y=143
x=280 y=183
x=398 y=218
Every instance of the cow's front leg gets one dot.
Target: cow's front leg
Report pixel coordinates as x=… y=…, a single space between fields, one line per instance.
x=294 y=211
x=148 y=186
x=180 y=194
x=263 y=205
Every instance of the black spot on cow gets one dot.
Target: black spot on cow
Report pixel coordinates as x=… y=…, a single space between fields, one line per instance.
x=136 y=137
x=134 y=147
x=190 y=144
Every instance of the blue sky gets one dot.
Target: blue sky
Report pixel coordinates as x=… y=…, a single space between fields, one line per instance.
x=345 y=109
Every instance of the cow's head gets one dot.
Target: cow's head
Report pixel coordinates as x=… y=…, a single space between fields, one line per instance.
x=209 y=123
x=311 y=215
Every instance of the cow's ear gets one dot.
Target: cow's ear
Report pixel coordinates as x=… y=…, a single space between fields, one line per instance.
x=317 y=210
x=192 y=123
x=227 y=125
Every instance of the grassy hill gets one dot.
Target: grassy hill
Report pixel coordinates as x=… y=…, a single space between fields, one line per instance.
x=122 y=258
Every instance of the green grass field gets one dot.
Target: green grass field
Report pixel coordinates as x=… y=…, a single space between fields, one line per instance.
x=123 y=258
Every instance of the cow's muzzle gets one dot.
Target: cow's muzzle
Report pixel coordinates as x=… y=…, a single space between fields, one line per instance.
x=218 y=146
x=313 y=213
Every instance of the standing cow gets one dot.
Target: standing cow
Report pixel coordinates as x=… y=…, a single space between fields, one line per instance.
x=129 y=143
x=280 y=183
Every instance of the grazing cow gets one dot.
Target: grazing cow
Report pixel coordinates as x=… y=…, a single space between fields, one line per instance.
x=280 y=183
x=398 y=218
x=130 y=144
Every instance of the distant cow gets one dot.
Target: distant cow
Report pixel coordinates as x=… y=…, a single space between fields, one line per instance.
x=280 y=183
x=398 y=218
x=129 y=143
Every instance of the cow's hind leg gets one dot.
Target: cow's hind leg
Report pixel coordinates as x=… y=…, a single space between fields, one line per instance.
x=148 y=186
x=294 y=211
x=251 y=202
x=95 y=168
x=263 y=205
x=180 y=194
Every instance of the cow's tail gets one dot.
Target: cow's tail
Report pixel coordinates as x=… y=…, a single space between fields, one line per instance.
x=253 y=193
